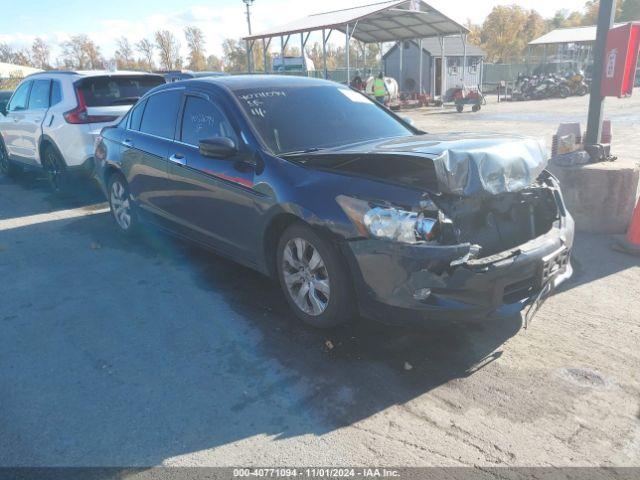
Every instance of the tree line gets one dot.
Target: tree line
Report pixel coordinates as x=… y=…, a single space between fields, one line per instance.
x=508 y=29
x=504 y=36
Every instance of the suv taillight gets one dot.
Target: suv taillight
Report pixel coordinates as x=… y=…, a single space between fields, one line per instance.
x=80 y=115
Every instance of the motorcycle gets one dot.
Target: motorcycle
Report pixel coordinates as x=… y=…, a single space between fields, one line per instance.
x=576 y=84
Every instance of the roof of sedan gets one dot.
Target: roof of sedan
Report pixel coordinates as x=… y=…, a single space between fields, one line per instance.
x=238 y=82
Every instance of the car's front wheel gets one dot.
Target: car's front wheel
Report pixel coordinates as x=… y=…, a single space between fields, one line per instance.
x=121 y=205
x=313 y=278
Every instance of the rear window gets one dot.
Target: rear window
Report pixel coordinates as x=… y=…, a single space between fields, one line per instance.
x=116 y=90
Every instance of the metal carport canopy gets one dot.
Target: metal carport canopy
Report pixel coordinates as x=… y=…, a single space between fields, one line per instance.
x=379 y=22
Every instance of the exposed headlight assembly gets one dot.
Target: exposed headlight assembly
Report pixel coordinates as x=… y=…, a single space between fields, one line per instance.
x=388 y=222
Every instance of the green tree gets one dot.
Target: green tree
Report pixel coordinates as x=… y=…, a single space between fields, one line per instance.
x=591 y=9
x=502 y=33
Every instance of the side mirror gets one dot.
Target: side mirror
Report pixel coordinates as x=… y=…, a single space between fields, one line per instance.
x=408 y=120
x=218 y=147
x=3 y=108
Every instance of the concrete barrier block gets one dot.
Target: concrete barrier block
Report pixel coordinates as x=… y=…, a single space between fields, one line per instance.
x=600 y=196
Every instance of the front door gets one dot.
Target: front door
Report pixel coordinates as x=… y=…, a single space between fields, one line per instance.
x=213 y=197
x=33 y=118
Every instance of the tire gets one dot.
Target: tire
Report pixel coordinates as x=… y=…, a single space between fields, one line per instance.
x=476 y=108
x=563 y=92
x=317 y=288
x=122 y=208
x=56 y=170
x=582 y=90
x=459 y=108
x=6 y=167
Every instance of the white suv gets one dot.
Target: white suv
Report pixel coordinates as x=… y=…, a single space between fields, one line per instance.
x=53 y=119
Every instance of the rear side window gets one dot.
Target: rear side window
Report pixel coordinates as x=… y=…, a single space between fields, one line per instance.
x=56 y=92
x=116 y=90
x=19 y=99
x=203 y=120
x=39 y=98
x=136 y=116
x=160 y=114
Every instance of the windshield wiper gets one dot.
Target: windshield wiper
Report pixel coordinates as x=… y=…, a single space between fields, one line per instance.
x=301 y=152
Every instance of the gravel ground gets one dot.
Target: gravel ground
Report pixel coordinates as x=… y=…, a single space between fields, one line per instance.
x=152 y=352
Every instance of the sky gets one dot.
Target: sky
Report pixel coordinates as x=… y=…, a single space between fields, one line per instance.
x=21 y=21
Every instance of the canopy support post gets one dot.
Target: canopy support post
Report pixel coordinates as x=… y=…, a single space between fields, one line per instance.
x=346 y=53
x=443 y=71
x=302 y=55
x=421 y=54
x=382 y=69
x=464 y=58
x=401 y=45
x=324 y=54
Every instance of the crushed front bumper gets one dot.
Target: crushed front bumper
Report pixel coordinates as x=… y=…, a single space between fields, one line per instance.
x=413 y=284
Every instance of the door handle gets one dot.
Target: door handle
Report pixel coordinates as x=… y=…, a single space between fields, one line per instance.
x=178 y=158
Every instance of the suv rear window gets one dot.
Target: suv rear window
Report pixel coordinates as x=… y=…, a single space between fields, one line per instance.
x=116 y=90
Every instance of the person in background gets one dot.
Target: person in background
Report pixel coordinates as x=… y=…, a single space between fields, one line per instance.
x=380 y=88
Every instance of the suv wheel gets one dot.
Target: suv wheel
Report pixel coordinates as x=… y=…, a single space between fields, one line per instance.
x=121 y=205
x=6 y=167
x=313 y=278
x=56 y=170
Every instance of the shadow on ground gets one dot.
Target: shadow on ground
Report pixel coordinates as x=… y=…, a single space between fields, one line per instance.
x=148 y=348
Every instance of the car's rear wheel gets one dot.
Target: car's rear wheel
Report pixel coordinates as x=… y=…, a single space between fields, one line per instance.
x=6 y=167
x=56 y=170
x=313 y=278
x=121 y=205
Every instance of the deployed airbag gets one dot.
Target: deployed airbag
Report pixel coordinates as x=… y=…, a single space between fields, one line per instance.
x=490 y=168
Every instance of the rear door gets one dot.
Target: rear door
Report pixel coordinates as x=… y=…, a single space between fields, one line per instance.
x=145 y=146
x=12 y=129
x=33 y=117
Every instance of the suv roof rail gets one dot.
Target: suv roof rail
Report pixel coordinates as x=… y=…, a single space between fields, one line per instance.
x=48 y=72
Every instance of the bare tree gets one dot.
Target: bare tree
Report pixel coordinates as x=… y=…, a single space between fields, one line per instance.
x=82 y=53
x=169 y=49
x=124 y=54
x=146 y=49
x=196 y=42
x=40 y=54
x=22 y=57
x=6 y=53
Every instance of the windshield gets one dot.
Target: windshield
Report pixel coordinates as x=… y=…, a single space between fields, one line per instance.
x=117 y=90
x=291 y=119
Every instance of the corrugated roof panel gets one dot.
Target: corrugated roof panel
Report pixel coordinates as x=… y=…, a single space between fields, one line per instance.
x=378 y=22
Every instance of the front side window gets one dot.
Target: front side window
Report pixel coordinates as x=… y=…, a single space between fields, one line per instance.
x=160 y=115
x=202 y=120
x=320 y=116
x=39 y=98
x=19 y=100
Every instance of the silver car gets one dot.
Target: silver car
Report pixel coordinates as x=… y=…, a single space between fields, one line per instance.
x=53 y=119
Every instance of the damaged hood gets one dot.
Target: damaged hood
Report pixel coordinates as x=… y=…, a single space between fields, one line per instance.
x=462 y=164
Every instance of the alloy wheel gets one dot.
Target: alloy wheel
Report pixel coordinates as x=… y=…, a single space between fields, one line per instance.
x=53 y=169
x=120 y=205
x=306 y=276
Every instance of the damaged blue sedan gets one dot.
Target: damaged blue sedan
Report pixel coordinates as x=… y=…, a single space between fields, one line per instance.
x=349 y=207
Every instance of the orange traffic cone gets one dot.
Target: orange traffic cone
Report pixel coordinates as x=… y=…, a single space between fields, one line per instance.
x=631 y=242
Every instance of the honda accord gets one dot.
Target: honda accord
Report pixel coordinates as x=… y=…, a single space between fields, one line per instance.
x=347 y=205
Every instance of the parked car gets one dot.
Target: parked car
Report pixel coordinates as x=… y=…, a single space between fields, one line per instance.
x=5 y=95
x=53 y=119
x=178 y=75
x=347 y=205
